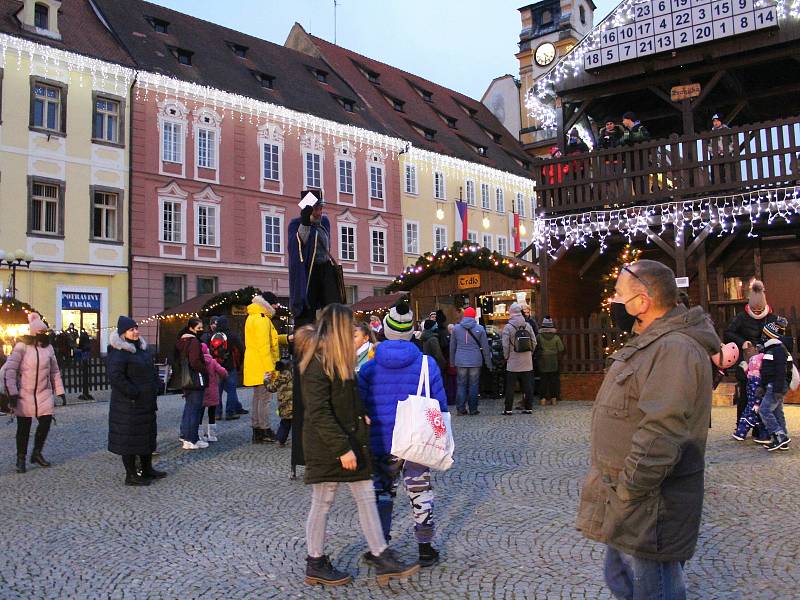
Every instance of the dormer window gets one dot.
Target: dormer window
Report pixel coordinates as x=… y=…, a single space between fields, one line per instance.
x=497 y=138
x=322 y=76
x=266 y=81
x=398 y=105
x=159 y=25
x=348 y=105
x=481 y=150
x=430 y=134
x=373 y=77
x=238 y=49
x=426 y=95
x=470 y=111
x=41 y=16
x=451 y=121
x=184 y=56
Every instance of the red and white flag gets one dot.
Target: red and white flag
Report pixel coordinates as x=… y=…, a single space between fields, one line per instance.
x=513 y=231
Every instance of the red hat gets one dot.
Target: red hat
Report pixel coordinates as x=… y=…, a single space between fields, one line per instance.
x=469 y=312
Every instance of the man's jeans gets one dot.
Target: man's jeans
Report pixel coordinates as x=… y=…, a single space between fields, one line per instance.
x=229 y=385
x=469 y=379
x=631 y=578
x=192 y=415
x=771 y=412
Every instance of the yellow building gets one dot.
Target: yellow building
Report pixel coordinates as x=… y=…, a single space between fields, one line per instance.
x=64 y=164
x=431 y=184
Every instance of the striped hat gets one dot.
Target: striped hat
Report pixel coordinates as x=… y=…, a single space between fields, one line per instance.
x=398 y=324
x=776 y=329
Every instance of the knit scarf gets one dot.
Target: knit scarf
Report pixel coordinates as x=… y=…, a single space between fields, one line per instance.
x=759 y=315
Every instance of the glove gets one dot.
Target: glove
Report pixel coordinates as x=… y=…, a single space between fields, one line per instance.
x=760 y=391
x=305 y=215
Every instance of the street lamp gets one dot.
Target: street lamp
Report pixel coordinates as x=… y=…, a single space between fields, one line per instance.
x=12 y=260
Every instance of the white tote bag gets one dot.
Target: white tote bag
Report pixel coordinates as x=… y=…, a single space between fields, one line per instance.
x=422 y=432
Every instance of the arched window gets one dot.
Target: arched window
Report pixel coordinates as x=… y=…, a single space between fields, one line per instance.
x=41 y=16
x=583 y=15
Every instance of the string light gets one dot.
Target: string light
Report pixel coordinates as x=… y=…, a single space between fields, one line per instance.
x=718 y=213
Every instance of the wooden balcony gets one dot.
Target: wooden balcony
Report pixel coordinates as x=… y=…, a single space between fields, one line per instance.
x=742 y=159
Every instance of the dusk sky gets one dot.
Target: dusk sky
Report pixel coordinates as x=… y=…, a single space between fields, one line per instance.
x=461 y=44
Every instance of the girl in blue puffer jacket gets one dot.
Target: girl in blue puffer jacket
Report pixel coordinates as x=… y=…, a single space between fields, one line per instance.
x=383 y=382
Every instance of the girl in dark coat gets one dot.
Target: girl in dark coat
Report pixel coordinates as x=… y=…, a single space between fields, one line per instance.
x=132 y=410
x=336 y=448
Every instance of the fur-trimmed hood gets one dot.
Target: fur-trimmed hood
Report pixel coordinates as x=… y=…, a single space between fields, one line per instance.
x=115 y=340
x=260 y=305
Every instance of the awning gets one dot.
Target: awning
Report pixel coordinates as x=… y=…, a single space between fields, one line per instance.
x=191 y=306
x=381 y=302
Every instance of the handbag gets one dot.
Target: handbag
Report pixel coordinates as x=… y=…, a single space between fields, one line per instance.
x=422 y=432
x=186 y=378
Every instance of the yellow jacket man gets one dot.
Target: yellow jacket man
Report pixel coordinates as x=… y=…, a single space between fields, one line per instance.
x=260 y=355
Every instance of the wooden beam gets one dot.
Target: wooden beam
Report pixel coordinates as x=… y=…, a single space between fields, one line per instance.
x=712 y=83
x=544 y=286
x=680 y=257
x=702 y=273
x=578 y=114
x=591 y=260
x=757 y=260
x=664 y=96
x=721 y=248
x=697 y=241
x=735 y=112
x=654 y=237
x=734 y=257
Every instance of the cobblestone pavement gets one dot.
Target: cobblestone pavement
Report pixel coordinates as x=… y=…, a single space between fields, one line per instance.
x=228 y=523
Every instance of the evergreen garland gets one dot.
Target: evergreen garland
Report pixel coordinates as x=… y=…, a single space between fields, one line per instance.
x=616 y=339
x=13 y=311
x=243 y=296
x=458 y=256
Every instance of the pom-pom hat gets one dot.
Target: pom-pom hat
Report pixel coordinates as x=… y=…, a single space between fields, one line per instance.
x=35 y=323
x=398 y=324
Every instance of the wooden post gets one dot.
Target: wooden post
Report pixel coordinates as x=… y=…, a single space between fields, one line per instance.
x=544 y=292
x=757 y=260
x=680 y=253
x=702 y=276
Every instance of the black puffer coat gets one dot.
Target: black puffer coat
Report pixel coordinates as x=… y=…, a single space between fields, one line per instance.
x=333 y=425
x=746 y=328
x=134 y=388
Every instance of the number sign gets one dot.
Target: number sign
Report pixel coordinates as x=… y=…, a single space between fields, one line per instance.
x=666 y=25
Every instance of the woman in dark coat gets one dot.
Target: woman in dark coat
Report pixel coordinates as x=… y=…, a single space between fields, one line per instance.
x=132 y=411
x=336 y=448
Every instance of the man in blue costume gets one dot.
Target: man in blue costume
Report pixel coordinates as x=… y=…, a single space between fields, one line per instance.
x=313 y=281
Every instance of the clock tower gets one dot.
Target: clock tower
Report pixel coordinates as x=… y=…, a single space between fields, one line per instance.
x=550 y=29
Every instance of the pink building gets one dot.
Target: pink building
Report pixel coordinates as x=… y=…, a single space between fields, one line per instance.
x=215 y=179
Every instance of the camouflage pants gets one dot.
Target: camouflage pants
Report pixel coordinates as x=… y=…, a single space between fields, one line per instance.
x=417 y=481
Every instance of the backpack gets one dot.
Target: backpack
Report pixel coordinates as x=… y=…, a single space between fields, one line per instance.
x=792 y=375
x=522 y=341
x=218 y=347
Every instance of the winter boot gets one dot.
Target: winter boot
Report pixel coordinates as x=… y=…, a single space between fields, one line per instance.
x=321 y=571
x=42 y=430
x=21 y=463
x=211 y=433
x=201 y=433
x=148 y=472
x=37 y=458
x=268 y=436
x=258 y=435
x=779 y=440
x=428 y=555
x=131 y=476
x=388 y=566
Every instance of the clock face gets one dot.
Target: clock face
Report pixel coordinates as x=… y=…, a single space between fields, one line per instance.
x=545 y=54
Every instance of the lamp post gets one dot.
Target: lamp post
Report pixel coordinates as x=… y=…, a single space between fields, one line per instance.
x=13 y=260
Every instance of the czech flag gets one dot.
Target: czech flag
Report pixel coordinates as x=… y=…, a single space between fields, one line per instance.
x=462 y=227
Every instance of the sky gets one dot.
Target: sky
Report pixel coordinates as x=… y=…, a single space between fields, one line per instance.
x=460 y=44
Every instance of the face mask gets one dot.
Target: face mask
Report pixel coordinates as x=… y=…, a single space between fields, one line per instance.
x=621 y=318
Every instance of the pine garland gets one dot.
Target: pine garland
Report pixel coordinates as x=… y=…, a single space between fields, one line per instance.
x=628 y=255
x=458 y=256
x=13 y=311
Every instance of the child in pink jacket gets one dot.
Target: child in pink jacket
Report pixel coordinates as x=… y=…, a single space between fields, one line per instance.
x=211 y=396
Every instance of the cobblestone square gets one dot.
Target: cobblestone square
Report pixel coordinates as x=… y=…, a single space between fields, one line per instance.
x=229 y=523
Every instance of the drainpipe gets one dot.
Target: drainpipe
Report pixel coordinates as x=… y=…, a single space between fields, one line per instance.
x=131 y=97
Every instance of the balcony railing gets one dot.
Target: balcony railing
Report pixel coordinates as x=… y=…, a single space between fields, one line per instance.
x=744 y=158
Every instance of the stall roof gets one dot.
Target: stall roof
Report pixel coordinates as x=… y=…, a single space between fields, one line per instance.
x=192 y=305
x=381 y=302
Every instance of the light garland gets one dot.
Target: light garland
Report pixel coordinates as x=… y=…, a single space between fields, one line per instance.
x=717 y=213
x=572 y=63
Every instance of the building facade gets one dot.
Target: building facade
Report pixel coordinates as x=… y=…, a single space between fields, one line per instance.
x=64 y=151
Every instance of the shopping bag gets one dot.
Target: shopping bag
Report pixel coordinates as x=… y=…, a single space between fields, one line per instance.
x=422 y=432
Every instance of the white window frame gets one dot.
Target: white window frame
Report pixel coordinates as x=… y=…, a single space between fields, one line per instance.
x=207 y=122
x=472 y=236
x=310 y=184
x=519 y=200
x=105 y=209
x=533 y=207
x=499 y=200
x=347 y=163
x=352 y=227
x=175 y=153
x=48 y=104
x=439 y=185
x=486 y=197
x=180 y=203
x=114 y=117
x=173 y=114
x=487 y=237
x=502 y=241
x=385 y=234
x=272 y=215
x=44 y=200
x=198 y=208
x=414 y=249
x=469 y=193
x=275 y=151
x=377 y=182
x=271 y=135
x=443 y=230
x=410 y=179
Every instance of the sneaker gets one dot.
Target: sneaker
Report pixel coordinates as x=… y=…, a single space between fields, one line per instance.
x=242 y=411
x=762 y=441
x=202 y=444
x=508 y=412
x=187 y=445
x=211 y=433
x=737 y=436
x=527 y=411
x=779 y=440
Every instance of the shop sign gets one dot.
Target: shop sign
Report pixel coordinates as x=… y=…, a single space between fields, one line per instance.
x=239 y=310
x=79 y=301
x=466 y=282
x=684 y=92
